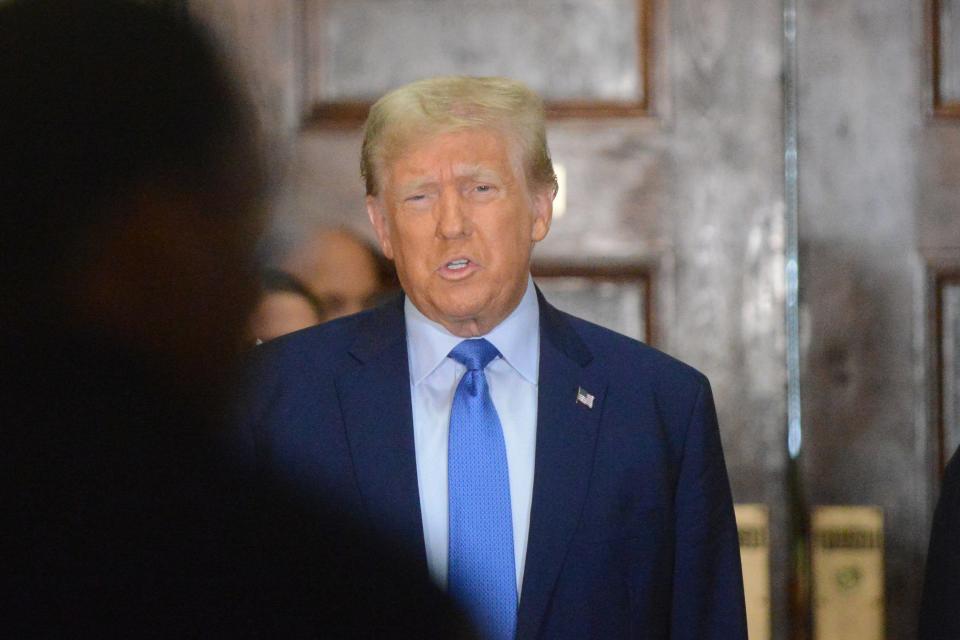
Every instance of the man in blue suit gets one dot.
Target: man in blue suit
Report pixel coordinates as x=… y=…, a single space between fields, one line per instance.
x=558 y=479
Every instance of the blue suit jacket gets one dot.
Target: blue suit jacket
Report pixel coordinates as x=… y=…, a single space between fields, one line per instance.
x=632 y=533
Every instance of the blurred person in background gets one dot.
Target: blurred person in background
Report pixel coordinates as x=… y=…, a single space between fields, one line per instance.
x=131 y=196
x=286 y=305
x=344 y=271
x=328 y=274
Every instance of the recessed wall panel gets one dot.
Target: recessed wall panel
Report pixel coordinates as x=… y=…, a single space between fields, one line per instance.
x=947 y=52
x=576 y=54
x=620 y=305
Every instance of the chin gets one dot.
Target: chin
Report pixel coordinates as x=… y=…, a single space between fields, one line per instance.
x=462 y=309
x=461 y=313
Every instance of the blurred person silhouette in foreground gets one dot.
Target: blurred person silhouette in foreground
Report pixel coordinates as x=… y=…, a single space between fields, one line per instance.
x=130 y=195
x=286 y=305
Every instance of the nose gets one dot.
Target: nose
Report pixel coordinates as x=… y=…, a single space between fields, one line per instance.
x=452 y=220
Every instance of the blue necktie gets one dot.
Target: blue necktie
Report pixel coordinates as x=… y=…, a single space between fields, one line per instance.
x=481 y=575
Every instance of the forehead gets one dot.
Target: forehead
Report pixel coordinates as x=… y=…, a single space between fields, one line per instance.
x=453 y=154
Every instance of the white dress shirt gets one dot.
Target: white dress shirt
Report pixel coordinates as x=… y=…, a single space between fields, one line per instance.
x=512 y=380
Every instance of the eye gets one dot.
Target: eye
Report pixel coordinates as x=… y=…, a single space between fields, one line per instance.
x=417 y=201
x=484 y=189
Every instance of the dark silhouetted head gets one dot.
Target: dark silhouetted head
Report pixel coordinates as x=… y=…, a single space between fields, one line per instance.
x=131 y=179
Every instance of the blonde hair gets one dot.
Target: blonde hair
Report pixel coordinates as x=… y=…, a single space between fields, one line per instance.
x=450 y=103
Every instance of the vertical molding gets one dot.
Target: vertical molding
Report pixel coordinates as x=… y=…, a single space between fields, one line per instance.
x=791 y=192
x=645 y=48
x=933 y=37
x=798 y=529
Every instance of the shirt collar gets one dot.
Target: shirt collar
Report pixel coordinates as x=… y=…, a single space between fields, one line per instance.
x=517 y=339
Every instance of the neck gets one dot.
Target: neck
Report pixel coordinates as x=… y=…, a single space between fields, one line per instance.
x=470 y=328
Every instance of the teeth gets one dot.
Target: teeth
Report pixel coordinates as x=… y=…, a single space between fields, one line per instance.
x=457 y=264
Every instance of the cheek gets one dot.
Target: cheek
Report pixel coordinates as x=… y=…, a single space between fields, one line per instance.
x=409 y=258
x=414 y=238
x=513 y=242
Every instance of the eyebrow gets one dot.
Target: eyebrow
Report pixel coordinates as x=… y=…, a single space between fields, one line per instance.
x=471 y=171
x=416 y=184
x=477 y=172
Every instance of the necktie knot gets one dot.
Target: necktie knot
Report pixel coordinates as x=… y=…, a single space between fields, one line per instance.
x=474 y=354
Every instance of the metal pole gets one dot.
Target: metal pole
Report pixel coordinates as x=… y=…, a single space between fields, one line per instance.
x=800 y=582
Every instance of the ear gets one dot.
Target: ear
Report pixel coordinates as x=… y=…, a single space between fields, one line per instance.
x=376 y=211
x=542 y=213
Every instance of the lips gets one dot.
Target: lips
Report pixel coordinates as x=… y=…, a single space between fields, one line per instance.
x=457 y=268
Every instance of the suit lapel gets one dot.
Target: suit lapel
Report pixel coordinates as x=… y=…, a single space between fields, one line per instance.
x=376 y=409
x=566 y=435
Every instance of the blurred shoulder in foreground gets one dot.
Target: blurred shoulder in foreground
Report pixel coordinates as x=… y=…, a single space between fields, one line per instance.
x=131 y=204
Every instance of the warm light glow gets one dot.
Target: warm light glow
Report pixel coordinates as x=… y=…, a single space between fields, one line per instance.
x=560 y=202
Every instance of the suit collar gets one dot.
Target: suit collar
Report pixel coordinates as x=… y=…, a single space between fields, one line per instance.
x=385 y=325
x=428 y=342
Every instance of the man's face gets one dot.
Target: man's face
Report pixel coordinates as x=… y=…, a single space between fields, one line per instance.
x=456 y=215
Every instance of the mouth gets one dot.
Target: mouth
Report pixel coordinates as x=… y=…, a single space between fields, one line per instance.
x=457 y=268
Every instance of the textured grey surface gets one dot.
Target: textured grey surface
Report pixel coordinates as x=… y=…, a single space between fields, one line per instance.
x=565 y=50
x=861 y=119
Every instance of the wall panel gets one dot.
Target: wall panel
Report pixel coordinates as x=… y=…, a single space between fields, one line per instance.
x=583 y=57
x=945 y=38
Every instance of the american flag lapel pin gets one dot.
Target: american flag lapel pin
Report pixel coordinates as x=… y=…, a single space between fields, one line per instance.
x=584 y=398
